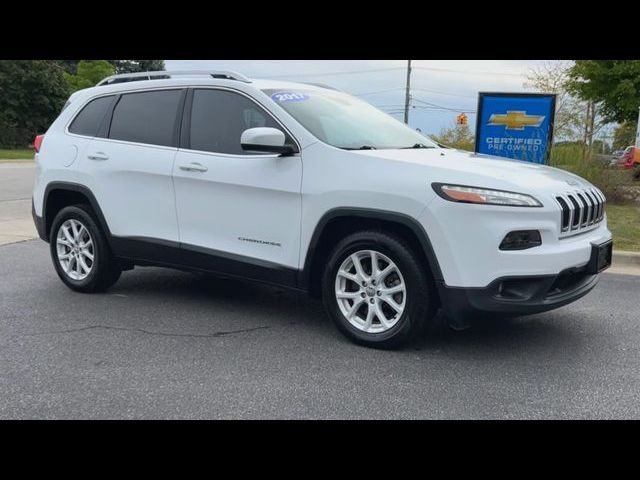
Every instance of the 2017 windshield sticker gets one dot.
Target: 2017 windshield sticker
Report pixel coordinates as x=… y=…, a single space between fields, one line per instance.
x=289 y=97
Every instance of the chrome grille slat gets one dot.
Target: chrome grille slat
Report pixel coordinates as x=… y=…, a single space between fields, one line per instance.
x=575 y=212
x=599 y=209
x=585 y=210
x=596 y=213
x=581 y=210
x=602 y=202
x=592 y=210
x=565 y=218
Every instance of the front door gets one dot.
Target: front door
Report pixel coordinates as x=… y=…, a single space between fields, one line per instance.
x=239 y=205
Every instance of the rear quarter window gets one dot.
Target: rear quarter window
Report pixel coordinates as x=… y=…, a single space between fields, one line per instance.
x=88 y=121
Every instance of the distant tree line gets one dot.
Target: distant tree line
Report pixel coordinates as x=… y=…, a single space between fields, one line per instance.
x=33 y=92
x=591 y=94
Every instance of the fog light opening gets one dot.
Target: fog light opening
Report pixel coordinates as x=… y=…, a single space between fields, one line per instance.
x=521 y=240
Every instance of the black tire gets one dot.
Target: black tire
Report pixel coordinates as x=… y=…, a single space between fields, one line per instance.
x=421 y=300
x=105 y=270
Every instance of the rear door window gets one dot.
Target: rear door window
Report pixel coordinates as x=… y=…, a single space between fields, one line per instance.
x=147 y=117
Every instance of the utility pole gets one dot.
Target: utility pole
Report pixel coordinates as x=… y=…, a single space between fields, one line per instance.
x=407 y=98
x=638 y=130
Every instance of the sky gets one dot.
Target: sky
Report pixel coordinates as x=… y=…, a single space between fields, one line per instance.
x=452 y=84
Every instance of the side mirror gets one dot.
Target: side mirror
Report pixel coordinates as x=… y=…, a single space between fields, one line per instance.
x=264 y=139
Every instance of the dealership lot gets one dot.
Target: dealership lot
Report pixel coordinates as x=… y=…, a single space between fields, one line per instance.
x=167 y=344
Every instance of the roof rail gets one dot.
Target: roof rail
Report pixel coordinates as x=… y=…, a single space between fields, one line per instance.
x=130 y=77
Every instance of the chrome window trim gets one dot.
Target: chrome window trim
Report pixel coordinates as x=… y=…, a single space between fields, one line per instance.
x=180 y=87
x=110 y=94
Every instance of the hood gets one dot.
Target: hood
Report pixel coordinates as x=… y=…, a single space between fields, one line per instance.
x=466 y=168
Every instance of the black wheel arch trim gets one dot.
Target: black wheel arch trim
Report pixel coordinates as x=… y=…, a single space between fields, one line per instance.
x=78 y=188
x=375 y=214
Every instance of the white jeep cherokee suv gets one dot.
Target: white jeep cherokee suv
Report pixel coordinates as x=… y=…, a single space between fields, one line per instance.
x=306 y=187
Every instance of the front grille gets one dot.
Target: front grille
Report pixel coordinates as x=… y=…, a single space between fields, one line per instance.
x=580 y=210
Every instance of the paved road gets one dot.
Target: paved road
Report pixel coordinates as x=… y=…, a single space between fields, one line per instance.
x=165 y=344
x=16 y=185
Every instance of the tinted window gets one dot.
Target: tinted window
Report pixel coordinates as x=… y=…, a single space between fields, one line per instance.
x=146 y=117
x=218 y=118
x=88 y=120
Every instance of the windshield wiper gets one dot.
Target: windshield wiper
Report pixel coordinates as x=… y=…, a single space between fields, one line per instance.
x=363 y=147
x=419 y=145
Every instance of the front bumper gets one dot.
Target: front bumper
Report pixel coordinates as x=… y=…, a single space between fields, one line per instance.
x=516 y=296
x=466 y=239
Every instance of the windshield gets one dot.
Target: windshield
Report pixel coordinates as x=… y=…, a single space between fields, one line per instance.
x=345 y=121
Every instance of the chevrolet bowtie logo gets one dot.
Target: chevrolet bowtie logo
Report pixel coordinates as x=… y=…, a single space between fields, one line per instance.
x=516 y=120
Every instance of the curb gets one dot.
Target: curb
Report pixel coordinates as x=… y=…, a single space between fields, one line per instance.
x=627 y=259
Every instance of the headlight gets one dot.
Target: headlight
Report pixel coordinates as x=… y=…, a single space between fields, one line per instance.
x=485 y=196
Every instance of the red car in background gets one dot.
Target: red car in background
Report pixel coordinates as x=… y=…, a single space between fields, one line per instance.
x=629 y=159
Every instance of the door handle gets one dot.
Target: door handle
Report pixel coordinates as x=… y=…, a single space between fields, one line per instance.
x=193 y=167
x=98 y=156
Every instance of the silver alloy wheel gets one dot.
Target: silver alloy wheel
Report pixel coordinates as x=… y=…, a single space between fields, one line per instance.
x=75 y=249
x=370 y=291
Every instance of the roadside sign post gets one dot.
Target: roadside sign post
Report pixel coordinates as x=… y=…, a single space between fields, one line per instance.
x=516 y=125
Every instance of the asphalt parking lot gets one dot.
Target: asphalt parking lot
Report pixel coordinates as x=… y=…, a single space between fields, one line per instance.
x=167 y=344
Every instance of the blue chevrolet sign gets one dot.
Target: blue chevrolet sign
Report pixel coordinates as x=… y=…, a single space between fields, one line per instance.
x=515 y=125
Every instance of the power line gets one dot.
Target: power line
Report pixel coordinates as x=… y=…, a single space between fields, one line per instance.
x=387 y=69
x=454 y=109
x=417 y=89
x=377 y=91
x=443 y=93
x=436 y=109
x=390 y=105
x=372 y=70
x=470 y=72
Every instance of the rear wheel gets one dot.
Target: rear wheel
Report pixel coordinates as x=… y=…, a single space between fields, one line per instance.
x=376 y=290
x=80 y=252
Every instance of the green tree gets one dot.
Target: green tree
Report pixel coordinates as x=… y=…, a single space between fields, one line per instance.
x=121 y=66
x=615 y=84
x=70 y=66
x=552 y=77
x=134 y=66
x=624 y=135
x=32 y=94
x=89 y=72
x=458 y=136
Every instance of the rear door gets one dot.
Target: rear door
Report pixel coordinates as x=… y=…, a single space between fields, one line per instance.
x=232 y=202
x=130 y=169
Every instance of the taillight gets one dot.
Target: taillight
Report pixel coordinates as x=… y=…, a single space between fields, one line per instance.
x=37 y=142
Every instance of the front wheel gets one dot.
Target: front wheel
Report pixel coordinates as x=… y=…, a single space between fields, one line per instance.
x=376 y=290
